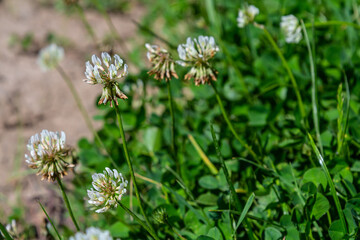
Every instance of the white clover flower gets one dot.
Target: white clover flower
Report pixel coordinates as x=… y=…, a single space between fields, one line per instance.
x=291 y=28
x=50 y=57
x=197 y=53
x=247 y=15
x=163 y=64
x=109 y=187
x=107 y=73
x=49 y=154
x=92 y=233
x=11 y=228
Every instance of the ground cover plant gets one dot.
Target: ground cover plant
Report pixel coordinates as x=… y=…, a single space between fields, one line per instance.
x=242 y=123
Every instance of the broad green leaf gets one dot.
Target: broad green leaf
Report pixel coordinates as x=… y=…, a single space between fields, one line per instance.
x=208 y=182
x=336 y=230
x=320 y=207
x=207 y=199
x=272 y=233
x=152 y=139
x=316 y=176
x=215 y=233
x=119 y=230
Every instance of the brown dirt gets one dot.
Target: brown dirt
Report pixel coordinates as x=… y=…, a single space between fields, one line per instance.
x=31 y=100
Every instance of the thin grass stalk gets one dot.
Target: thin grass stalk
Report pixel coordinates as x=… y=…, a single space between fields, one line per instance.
x=5 y=232
x=133 y=215
x=67 y=203
x=51 y=222
x=87 y=25
x=252 y=153
x=127 y=156
x=231 y=186
x=172 y=113
x=83 y=111
x=331 y=183
x=332 y=23
x=286 y=65
x=313 y=89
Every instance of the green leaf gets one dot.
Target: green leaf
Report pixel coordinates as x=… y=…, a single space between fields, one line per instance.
x=152 y=139
x=336 y=230
x=202 y=237
x=208 y=182
x=244 y=211
x=272 y=233
x=316 y=176
x=320 y=207
x=207 y=199
x=119 y=230
x=215 y=233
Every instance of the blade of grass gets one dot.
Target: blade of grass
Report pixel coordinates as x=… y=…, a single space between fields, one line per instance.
x=248 y=204
x=332 y=23
x=331 y=183
x=203 y=156
x=231 y=186
x=313 y=89
x=5 y=232
x=52 y=223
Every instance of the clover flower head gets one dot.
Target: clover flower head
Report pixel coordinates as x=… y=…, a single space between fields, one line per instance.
x=162 y=62
x=92 y=233
x=50 y=57
x=160 y=216
x=49 y=154
x=247 y=15
x=291 y=28
x=109 y=187
x=107 y=72
x=197 y=53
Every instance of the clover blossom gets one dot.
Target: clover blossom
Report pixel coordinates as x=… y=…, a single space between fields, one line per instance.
x=291 y=28
x=163 y=63
x=247 y=15
x=160 y=216
x=109 y=187
x=107 y=72
x=92 y=233
x=197 y=53
x=49 y=155
x=50 y=57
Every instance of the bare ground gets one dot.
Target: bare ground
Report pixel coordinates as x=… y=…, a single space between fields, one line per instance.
x=32 y=100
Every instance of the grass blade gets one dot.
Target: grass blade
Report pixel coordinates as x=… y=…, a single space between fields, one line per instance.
x=52 y=223
x=5 y=233
x=203 y=156
x=248 y=204
x=331 y=183
x=228 y=179
x=313 y=89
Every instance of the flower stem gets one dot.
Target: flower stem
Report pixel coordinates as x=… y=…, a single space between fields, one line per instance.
x=286 y=65
x=231 y=186
x=173 y=144
x=67 y=203
x=83 y=111
x=253 y=154
x=122 y=134
x=52 y=223
x=151 y=231
x=87 y=25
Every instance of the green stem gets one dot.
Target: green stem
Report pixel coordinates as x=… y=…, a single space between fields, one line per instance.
x=174 y=231
x=4 y=232
x=88 y=27
x=173 y=143
x=332 y=23
x=83 y=111
x=286 y=65
x=313 y=89
x=52 y=223
x=231 y=126
x=67 y=203
x=122 y=134
x=231 y=186
x=150 y=231
x=330 y=182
